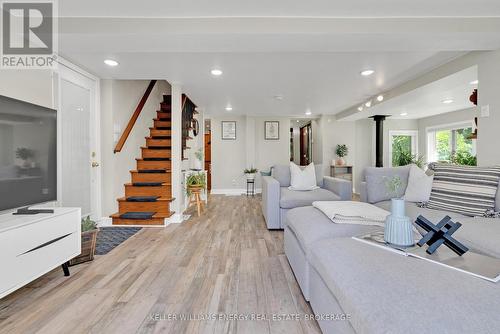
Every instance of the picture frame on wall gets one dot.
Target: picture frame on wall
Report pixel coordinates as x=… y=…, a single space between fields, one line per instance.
x=271 y=130
x=228 y=130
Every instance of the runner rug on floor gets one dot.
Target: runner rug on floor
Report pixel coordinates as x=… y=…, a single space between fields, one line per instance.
x=111 y=236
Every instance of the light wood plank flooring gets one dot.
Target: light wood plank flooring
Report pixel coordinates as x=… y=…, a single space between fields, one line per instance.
x=224 y=263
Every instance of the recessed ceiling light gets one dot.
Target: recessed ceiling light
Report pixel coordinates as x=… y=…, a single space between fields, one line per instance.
x=360 y=108
x=447 y=101
x=368 y=104
x=216 y=72
x=475 y=82
x=367 y=73
x=298 y=121
x=404 y=114
x=229 y=108
x=111 y=62
x=308 y=112
x=380 y=98
x=278 y=97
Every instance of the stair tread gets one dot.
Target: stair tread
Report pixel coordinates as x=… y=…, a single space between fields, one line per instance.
x=150 y=171
x=156 y=147
x=155 y=216
x=150 y=184
x=158 y=199
x=153 y=159
x=142 y=215
x=130 y=184
x=158 y=137
x=140 y=199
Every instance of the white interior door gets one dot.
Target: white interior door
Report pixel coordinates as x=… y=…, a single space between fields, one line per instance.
x=79 y=176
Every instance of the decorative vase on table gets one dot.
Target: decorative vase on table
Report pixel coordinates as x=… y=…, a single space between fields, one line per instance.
x=398 y=227
x=340 y=162
x=250 y=176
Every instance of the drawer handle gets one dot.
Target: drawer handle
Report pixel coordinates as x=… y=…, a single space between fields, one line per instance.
x=45 y=244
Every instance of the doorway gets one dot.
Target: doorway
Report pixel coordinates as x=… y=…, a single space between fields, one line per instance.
x=305 y=145
x=208 y=154
x=79 y=141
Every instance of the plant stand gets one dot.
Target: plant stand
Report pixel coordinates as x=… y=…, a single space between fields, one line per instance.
x=251 y=187
x=195 y=198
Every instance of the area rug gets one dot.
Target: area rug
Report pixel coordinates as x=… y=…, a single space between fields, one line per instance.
x=111 y=236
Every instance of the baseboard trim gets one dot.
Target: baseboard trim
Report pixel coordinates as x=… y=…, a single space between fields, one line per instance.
x=232 y=192
x=176 y=218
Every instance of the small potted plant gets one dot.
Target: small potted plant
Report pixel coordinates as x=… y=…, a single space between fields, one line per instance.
x=341 y=151
x=398 y=227
x=89 y=240
x=195 y=182
x=250 y=173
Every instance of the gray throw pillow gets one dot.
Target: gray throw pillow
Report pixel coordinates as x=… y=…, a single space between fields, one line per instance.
x=318 y=169
x=497 y=201
x=376 y=179
x=282 y=174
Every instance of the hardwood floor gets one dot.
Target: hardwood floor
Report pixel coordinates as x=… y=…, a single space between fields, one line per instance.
x=225 y=263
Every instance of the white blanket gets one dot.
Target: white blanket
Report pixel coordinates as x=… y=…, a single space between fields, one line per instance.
x=349 y=212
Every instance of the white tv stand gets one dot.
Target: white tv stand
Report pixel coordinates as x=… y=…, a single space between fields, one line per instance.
x=32 y=245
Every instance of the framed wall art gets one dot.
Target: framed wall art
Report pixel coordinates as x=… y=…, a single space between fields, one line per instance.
x=272 y=130
x=228 y=130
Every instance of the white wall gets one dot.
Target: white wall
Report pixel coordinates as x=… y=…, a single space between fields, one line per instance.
x=119 y=98
x=443 y=119
x=271 y=152
x=317 y=140
x=34 y=86
x=333 y=133
x=489 y=95
x=364 y=155
x=231 y=157
x=228 y=156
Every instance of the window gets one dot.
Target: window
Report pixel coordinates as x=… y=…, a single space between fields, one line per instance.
x=451 y=143
x=403 y=147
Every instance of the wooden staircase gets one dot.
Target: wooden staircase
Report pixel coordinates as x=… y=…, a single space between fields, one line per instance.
x=149 y=194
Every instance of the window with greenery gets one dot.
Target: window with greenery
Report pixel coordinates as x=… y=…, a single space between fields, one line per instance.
x=403 y=149
x=452 y=144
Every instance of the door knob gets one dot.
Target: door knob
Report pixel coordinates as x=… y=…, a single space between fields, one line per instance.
x=95 y=164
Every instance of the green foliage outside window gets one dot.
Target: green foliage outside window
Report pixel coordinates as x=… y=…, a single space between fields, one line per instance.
x=401 y=152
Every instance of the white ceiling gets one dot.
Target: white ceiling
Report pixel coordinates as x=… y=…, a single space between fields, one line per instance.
x=312 y=54
x=428 y=100
x=222 y=8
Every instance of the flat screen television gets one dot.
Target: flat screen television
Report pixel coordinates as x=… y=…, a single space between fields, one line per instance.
x=28 y=154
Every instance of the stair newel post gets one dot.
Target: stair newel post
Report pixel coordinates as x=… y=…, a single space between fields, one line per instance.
x=177 y=190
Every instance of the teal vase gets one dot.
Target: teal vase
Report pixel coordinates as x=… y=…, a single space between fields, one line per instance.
x=398 y=227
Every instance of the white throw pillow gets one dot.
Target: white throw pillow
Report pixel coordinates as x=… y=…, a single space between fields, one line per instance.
x=302 y=180
x=419 y=185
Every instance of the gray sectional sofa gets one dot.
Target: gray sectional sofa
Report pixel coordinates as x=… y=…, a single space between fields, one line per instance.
x=383 y=292
x=277 y=199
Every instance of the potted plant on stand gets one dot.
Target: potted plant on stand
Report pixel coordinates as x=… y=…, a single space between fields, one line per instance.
x=89 y=240
x=398 y=227
x=195 y=184
x=250 y=173
x=341 y=151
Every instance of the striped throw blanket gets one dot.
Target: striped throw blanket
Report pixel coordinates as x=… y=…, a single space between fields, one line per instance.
x=467 y=190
